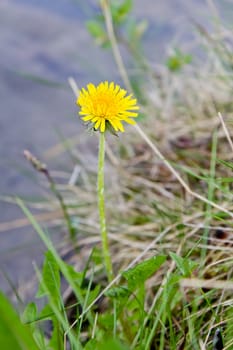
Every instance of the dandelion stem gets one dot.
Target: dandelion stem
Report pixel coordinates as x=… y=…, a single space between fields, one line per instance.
x=101 y=205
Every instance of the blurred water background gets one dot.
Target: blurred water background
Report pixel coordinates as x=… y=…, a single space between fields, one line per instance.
x=42 y=43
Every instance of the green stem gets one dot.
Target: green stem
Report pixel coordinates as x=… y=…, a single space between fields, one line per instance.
x=54 y=189
x=101 y=205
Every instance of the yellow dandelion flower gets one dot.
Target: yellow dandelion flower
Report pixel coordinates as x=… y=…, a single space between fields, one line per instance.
x=107 y=105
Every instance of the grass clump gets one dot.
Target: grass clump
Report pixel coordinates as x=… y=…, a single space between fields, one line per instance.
x=168 y=195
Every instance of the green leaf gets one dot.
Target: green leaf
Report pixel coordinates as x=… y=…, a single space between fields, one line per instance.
x=76 y=276
x=56 y=339
x=176 y=61
x=141 y=272
x=225 y=179
x=118 y=292
x=13 y=334
x=30 y=313
x=95 y=28
x=92 y=294
x=185 y=265
x=30 y=317
x=91 y=344
x=50 y=278
x=97 y=256
x=220 y=215
x=46 y=313
x=105 y=322
x=62 y=266
x=120 y=11
x=125 y=8
x=112 y=344
x=97 y=31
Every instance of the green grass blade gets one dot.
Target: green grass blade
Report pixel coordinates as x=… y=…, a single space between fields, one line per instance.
x=64 y=268
x=14 y=335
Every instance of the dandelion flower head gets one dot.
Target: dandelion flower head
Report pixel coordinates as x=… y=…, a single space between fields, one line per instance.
x=107 y=105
